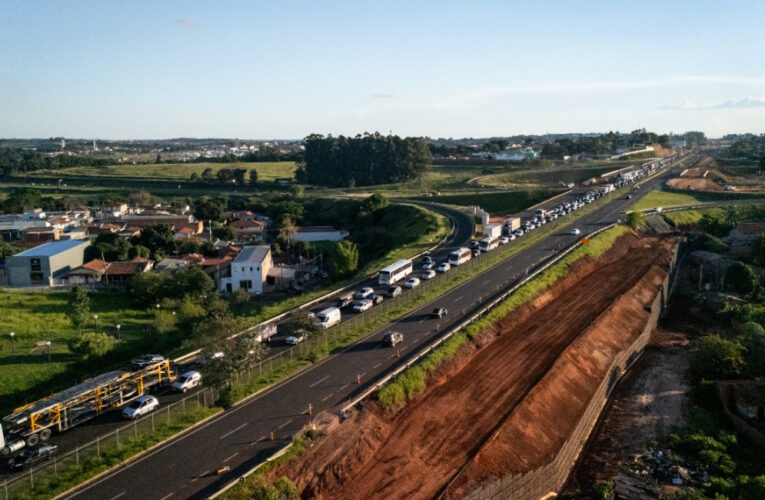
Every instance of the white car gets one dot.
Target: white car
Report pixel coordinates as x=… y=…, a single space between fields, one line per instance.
x=511 y=237
x=295 y=339
x=518 y=233
x=429 y=275
x=504 y=240
x=187 y=381
x=363 y=293
x=362 y=305
x=140 y=406
x=428 y=266
x=445 y=266
x=412 y=283
x=576 y=231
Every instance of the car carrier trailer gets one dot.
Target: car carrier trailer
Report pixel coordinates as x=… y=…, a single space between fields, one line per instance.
x=35 y=422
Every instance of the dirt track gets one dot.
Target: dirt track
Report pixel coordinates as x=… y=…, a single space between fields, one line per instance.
x=416 y=453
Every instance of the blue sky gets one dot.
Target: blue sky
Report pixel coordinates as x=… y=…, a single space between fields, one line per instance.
x=284 y=69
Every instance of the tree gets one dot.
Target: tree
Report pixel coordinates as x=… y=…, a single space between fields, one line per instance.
x=303 y=323
x=194 y=177
x=240 y=354
x=138 y=251
x=189 y=246
x=714 y=358
x=194 y=281
x=297 y=190
x=239 y=300
x=753 y=340
x=79 y=307
x=374 y=202
x=164 y=321
x=209 y=250
x=207 y=174
x=286 y=229
x=91 y=345
x=239 y=175
x=111 y=247
x=758 y=252
x=344 y=260
x=253 y=177
x=741 y=278
x=158 y=238
x=7 y=249
x=225 y=176
x=208 y=209
x=224 y=232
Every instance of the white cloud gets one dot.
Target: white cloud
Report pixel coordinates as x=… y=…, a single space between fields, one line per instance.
x=383 y=96
x=747 y=102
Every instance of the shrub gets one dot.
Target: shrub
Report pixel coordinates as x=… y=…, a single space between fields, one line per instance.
x=91 y=345
x=713 y=357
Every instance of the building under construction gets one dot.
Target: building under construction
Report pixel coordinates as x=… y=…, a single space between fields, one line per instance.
x=35 y=422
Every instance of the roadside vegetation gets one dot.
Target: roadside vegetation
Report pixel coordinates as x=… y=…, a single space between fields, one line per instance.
x=414 y=380
x=506 y=202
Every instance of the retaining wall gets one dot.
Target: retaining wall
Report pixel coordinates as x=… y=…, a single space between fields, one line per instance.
x=551 y=477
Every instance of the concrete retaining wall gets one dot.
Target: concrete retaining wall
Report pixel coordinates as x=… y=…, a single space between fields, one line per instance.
x=551 y=477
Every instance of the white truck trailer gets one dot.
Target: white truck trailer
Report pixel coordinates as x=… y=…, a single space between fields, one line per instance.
x=492 y=230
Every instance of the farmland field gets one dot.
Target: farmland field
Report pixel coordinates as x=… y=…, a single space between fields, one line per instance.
x=267 y=171
x=658 y=198
x=544 y=177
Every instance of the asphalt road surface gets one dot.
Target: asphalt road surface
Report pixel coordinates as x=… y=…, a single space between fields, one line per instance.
x=240 y=438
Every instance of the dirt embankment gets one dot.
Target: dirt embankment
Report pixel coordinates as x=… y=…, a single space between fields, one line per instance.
x=506 y=407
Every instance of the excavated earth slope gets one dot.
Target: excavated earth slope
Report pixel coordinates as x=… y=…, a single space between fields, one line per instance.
x=526 y=388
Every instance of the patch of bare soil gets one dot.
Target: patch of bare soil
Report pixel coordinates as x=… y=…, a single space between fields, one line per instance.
x=646 y=404
x=526 y=385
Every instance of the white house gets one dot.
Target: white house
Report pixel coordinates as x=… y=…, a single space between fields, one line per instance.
x=248 y=270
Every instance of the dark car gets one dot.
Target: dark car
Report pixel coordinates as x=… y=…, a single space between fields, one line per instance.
x=377 y=299
x=473 y=244
x=439 y=312
x=476 y=252
x=392 y=338
x=345 y=300
x=146 y=360
x=31 y=456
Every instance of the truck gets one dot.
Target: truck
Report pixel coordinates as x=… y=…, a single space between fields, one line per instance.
x=488 y=244
x=492 y=230
x=513 y=223
x=35 y=422
x=328 y=317
x=265 y=332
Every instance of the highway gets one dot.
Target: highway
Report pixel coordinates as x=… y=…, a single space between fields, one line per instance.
x=239 y=438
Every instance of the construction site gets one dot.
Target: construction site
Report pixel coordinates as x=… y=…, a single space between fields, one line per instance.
x=509 y=414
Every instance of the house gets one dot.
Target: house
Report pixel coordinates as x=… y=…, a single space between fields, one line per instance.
x=749 y=400
x=177 y=222
x=248 y=270
x=89 y=273
x=745 y=234
x=45 y=264
x=247 y=229
x=33 y=236
x=172 y=264
x=318 y=233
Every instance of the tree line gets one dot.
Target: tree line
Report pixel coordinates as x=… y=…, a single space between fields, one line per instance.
x=362 y=160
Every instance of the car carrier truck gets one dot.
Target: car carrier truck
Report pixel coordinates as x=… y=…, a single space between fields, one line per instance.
x=35 y=422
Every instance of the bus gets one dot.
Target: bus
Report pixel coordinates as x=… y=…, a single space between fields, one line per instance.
x=460 y=256
x=395 y=272
x=489 y=244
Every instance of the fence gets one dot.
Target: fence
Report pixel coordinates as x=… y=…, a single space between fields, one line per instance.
x=109 y=449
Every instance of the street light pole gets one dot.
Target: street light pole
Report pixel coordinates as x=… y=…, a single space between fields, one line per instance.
x=47 y=343
x=95 y=317
x=118 y=331
x=13 y=343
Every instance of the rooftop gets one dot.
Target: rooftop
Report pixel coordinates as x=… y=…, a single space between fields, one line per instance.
x=52 y=248
x=252 y=254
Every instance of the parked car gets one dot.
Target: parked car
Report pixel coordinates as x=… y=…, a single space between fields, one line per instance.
x=140 y=406
x=429 y=275
x=345 y=300
x=362 y=305
x=28 y=457
x=445 y=266
x=576 y=231
x=394 y=291
x=412 y=283
x=427 y=259
x=439 y=312
x=392 y=338
x=429 y=265
x=146 y=360
x=363 y=293
x=473 y=244
x=295 y=339
x=187 y=381
x=504 y=240
x=377 y=299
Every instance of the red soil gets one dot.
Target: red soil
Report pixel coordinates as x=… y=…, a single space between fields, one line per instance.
x=527 y=384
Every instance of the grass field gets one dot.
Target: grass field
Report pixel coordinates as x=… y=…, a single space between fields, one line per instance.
x=267 y=171
x=663 y=199
x=496 y=203
x=40 y=316
x=545 y=177
x=690 y=217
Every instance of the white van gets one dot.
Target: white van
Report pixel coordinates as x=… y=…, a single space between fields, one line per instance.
x=328 y=317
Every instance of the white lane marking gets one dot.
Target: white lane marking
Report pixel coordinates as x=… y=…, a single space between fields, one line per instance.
x=326 y=397
x=120 y=495
x=232 y=456
x=285 y=423
x=235 y=430
x=375 y=366
x=457 y=299
x=423 y=319
x=199 y=476
x=319 y=381
x=167 y=496
x=343 y=387
x=487 y=281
